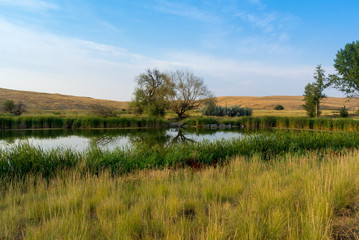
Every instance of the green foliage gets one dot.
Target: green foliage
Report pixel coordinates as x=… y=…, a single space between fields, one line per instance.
x=149 y=96
x=278 y=107
x=19 y=161
x=347 y=66
x=219 y=111
x=328 y=124
x=78 y=122
x=8 y=106
x=309 y=100
x=246 y=199
x=313 y=93
x=17 y=109
x=343 y=112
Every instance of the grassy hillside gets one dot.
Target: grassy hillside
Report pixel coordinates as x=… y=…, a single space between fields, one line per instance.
x=47 y=101
x=289 y=102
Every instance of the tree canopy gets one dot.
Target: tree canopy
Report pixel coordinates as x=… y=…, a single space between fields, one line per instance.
x=313 y=92
x=189 y=92
x=347 y=65
x=149 y=96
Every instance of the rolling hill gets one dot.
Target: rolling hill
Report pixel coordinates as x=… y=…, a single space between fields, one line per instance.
x=289 y=102
x=47 y=101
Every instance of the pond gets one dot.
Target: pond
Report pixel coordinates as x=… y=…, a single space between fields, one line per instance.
x=80 y=140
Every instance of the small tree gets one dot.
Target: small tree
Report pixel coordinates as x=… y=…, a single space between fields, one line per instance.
x=8 y=106
x=15 y=109
x=343 y=112
x=313 y=93
x=309 y=105
x=347 y=66
x=19 y=109
x=189 y=92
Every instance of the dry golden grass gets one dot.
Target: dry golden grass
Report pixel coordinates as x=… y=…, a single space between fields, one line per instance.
x=289 y=102
x=42 y=102
x=47 y=101
x=291 y=197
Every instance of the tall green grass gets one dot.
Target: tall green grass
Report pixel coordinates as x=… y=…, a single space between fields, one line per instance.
x=18 y=161
x=328 y=124
x=293 y=197
x=78 y=122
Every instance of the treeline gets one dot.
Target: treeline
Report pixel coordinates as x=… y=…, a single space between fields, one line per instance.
x=327 y=124
x=78 y=122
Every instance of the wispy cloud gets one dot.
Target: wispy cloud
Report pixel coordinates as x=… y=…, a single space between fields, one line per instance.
x=184 y=10
x=49 y=63
x=29 y=4
x=267 y=22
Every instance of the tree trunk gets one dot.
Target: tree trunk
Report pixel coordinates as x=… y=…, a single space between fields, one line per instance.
x=316 y=109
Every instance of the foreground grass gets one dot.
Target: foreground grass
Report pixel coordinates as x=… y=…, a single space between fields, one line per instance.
x=290 y=197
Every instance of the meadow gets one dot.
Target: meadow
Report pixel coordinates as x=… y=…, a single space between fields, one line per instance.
x=292 y=196
x=297 y=180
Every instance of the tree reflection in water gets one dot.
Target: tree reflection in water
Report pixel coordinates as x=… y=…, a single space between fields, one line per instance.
x=146 y=138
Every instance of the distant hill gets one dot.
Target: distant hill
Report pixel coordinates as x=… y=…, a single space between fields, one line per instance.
x=47 y=101
x=289 y=102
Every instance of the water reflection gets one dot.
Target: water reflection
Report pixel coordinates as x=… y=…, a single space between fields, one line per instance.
x=111 y=138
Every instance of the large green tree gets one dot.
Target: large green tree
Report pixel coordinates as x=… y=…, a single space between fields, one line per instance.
x=313 y=92
x=347 y=65
x=149 y=95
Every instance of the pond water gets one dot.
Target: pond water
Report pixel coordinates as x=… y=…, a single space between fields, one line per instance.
x=111 y=138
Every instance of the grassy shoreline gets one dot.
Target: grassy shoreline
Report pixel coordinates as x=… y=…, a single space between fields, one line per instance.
x=19 y=161
x=46 y=122
x=268 y=122
x=264 y=122
x=291 y=197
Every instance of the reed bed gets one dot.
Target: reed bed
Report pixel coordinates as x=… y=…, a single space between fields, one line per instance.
x=291 y=197
x=267 y=122
x=78 y=122
x=21 y=160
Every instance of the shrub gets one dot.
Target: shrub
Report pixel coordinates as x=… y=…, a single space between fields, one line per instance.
x=15 y=109
x=278 y=107
x=233 y=111
x=343 y=112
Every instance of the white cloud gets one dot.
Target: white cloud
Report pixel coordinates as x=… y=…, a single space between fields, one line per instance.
x=184 y=10
x=29 y=4
x=45 y=62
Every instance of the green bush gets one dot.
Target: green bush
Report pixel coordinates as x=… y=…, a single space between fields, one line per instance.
x=233 y=111
x=278 y=107
x=343 y=112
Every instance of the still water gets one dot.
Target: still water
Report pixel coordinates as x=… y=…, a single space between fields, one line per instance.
x=80 y=140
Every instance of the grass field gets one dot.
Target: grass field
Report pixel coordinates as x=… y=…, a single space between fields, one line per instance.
x=290 y=197
x=302 y=185
x=45 y=103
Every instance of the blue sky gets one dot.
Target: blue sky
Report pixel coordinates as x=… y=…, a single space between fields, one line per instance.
x=240 y=48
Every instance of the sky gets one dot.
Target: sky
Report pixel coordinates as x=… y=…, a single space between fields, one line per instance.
x=239 y=47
